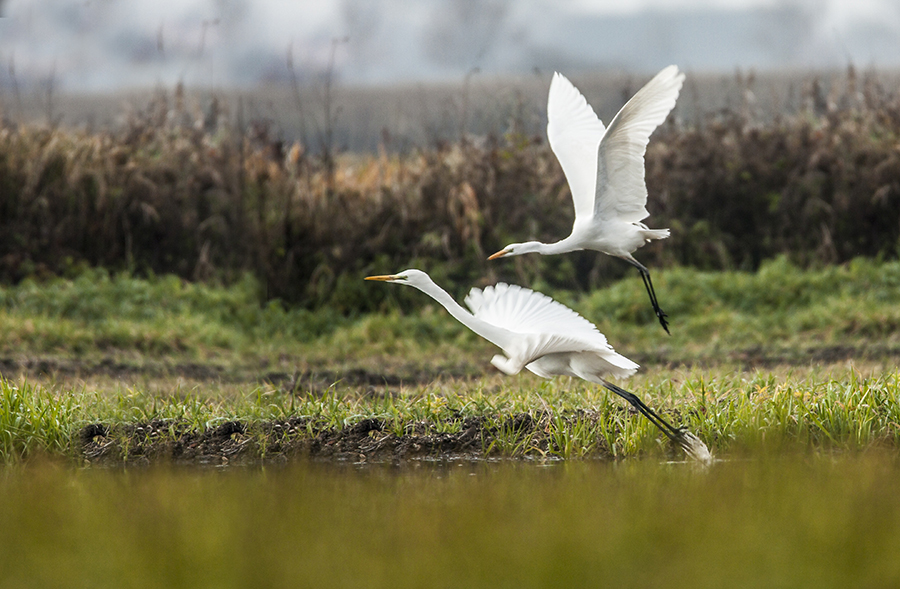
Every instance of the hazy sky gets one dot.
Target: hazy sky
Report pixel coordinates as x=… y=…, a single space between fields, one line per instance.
x=104 y=44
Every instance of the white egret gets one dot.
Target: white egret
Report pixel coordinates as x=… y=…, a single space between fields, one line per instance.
x=605 y=171
x=546 y=337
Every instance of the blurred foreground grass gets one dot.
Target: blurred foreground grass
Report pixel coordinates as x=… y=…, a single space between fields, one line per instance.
x=787 y=521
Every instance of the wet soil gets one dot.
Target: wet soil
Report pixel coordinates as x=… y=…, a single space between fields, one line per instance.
x=367 y=441
x=316 y=381
x=236 y=442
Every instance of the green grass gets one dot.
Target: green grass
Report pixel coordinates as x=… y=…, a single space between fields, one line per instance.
x=734 y=413
x=780 y=312
x=726 y=322
x=157 y=317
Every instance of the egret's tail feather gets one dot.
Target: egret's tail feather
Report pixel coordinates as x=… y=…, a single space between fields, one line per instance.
x=651 y=234
x=619 y=365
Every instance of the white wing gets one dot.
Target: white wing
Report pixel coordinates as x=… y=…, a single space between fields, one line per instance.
x=574 y=132
x=548 y=336
x=526 y=312
x=621 y=190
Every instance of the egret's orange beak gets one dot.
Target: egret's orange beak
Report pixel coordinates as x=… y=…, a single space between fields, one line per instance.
x=383 y=277
x=499 y=254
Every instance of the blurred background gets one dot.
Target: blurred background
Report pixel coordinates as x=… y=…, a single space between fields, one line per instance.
x=103 y=45
x=312 y=143
x=402 y=63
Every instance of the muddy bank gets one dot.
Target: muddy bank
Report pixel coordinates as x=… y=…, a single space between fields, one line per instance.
x=369 y=440
x=237 y=442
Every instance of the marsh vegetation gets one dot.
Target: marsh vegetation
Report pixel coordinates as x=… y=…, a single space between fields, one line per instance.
x=172 y=192
x=177 y=295
x=117 y=369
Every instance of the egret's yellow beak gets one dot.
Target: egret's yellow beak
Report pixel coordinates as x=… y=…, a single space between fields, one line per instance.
x=499 y=254
x=384 y=277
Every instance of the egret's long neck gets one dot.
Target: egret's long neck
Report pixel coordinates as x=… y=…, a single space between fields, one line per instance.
x=496 y=335
x=559 y=247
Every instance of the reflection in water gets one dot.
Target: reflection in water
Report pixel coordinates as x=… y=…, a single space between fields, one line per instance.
x=828 y=520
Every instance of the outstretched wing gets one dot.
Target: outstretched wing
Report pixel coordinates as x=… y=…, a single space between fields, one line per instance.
x=621 y=192
x=574 y=132
x=526 y=312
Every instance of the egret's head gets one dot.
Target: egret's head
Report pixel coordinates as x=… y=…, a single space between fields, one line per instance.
x=517 y=249
x=411 y=277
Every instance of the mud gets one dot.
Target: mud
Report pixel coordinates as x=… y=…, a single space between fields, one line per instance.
x=317 y=381
x=278 y=441
x=367 y=441
x=75 y=367
x=759 y=357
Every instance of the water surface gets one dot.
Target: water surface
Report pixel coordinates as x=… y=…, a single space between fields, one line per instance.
x=810 y=520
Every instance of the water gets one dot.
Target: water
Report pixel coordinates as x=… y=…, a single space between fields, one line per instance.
x=810 y=520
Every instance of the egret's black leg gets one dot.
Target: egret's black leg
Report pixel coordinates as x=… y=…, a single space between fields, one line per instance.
x=673 y=433
x=660 y=314
x=648 y=284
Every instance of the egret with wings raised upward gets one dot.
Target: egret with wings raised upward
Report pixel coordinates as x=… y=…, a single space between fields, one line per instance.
x=605 y=171
x=547 y=338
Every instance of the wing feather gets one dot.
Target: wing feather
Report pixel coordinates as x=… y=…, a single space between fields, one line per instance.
x=621 y=192
x=538 y=347
x=527 y=312
x=574 y=132
x=544 y=328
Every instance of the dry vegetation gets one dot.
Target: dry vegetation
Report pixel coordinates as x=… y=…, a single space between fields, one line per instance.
x=212 y=198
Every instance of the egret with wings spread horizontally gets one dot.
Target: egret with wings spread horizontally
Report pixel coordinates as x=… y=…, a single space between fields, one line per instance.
x=547 y=338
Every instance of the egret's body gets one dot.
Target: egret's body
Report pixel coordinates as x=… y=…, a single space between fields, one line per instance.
x=544 y=336
x=605 y=171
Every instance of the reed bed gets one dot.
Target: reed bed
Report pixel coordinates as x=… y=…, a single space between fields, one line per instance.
x=214 y=197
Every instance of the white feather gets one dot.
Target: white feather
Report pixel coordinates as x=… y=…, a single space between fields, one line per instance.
x=621 y=190
x=526 y=311
x=545 y=328
x=574 y=132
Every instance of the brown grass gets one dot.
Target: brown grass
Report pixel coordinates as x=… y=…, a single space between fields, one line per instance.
x=211 y=199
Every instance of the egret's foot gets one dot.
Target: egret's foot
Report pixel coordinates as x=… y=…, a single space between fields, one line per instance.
x=693 y=446
x=661 y=315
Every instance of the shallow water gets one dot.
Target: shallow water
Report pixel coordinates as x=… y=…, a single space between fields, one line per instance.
x=811 y=520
